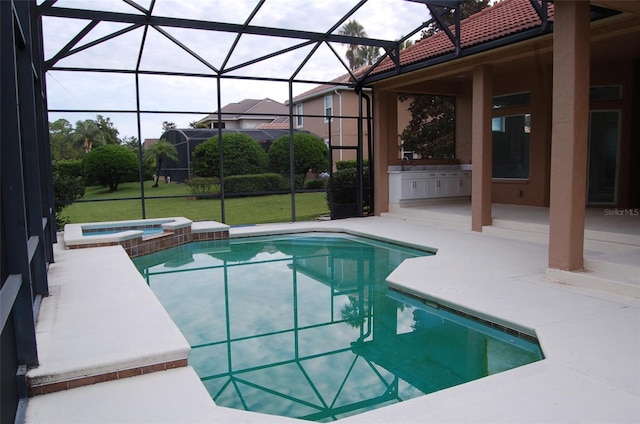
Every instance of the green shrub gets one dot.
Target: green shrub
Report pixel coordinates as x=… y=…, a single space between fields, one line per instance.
x=255 y=183
x=200 y=185
x=316 y=184
x=242 y=155
x=344 y=187
x=346 y=164
x=110 y=165
x=65 y=189
x=310 y=152
x=68 y=168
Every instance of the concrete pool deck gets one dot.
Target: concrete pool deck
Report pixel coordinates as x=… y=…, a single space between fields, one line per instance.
x=590 y=337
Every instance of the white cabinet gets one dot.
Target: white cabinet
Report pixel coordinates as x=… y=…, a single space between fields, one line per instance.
x=412 y=186
x=459 y=184
x=413 y=189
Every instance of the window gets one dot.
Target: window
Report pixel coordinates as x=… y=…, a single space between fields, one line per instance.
x=328 y=107
x=604 y=145
x=299 y=115
x=511 y=146
x=215 y=125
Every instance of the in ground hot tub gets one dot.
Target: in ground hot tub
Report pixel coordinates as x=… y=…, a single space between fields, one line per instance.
x=142 y=236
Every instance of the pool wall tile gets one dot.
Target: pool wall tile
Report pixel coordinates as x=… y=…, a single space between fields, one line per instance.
x=176 y=232
x=100 y=378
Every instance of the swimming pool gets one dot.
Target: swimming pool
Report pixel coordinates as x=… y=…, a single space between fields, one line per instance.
x=304 y=325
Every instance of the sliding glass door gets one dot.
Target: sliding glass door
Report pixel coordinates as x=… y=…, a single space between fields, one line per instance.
x=604 y=141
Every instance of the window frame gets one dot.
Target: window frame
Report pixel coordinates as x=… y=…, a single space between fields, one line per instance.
x=299 y=113
x=328 y=107
x=515 y=112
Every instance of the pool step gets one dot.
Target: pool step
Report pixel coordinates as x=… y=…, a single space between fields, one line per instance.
x=597 y=280
x=450 y=221
x=523 y=231
x=539 y=233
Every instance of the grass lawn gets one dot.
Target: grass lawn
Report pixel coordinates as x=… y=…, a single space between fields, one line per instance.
x=238 y=211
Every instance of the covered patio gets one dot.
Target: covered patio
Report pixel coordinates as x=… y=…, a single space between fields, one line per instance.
x=528 y=123
x=611 y=237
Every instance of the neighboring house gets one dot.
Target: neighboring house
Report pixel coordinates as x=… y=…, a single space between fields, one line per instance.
x=544 y=111
x=249 y=114
x=339 y=101
x=148 y=142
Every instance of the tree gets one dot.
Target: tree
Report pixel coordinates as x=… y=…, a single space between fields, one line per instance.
x=406 y=43
x=109 y=165
x=310 y=153
x=431 y=130
x=157 y=152
x=358 y=55
x=167 y=125
x=61 y=140
x=242 y=155
x=195 y=124
x=130 y=143
x=87 y=134
x=108 y=130
x=368 y=55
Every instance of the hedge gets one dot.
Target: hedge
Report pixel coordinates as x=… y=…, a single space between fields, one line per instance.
x=255 y=183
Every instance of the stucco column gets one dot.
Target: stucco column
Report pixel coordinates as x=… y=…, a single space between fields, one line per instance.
x=569 y=134
x=385 y=143
x=481 y=154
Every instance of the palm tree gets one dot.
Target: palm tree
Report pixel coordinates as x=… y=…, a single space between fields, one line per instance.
x=87 y=133
x=353 y=29
x=157 y=152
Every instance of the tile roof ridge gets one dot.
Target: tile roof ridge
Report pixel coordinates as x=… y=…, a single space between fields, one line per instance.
x=343 y=79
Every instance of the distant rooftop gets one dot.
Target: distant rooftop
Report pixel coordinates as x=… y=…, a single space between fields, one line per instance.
x=249 y=107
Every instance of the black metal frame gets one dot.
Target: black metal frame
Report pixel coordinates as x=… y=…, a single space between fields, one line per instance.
x=147 y=20
x=27 y=203
x=28 y=220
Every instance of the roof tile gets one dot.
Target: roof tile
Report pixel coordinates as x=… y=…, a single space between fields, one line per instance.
x=504 y=18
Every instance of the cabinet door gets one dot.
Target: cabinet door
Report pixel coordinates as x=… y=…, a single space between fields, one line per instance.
x=464 y=185
x=430 y=185
x=443 y=187
x=420 y=189
x=442 y=184
x=460 y=185
x=413 y=189
x=406 y=191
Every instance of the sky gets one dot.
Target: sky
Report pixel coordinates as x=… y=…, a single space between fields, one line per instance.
x=108 y=92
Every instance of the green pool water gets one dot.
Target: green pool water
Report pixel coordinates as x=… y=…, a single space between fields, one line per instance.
x=304 y=326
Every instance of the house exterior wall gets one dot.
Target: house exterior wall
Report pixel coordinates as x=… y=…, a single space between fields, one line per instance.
x=527 y=67
x=344 y=125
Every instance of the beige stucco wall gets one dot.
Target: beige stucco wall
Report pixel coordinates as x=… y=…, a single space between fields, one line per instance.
x=344 y=129
x=528 y=67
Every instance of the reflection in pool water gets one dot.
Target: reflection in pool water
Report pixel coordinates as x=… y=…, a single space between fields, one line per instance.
x=305 y=326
